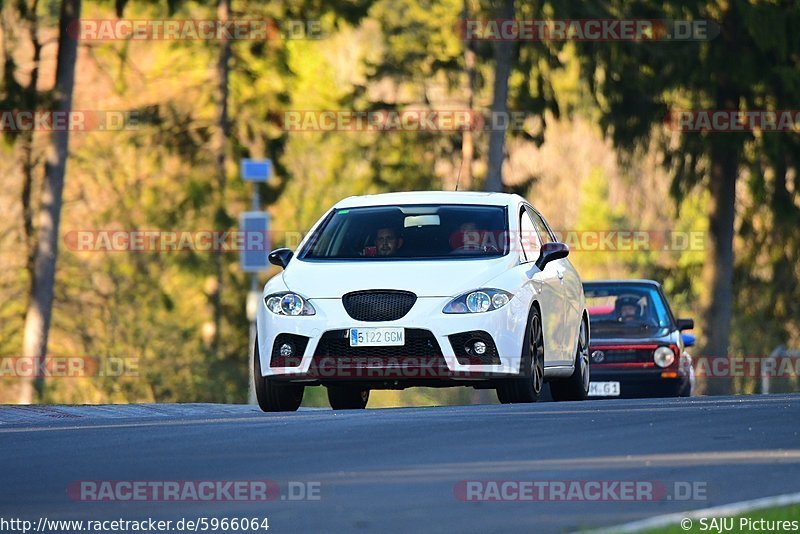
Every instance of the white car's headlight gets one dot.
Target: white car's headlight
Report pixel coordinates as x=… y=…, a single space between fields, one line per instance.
x=478 y=301
x=663 y=356
x=288 y=303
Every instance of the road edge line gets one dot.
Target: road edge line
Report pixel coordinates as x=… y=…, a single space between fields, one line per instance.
x=723 y=510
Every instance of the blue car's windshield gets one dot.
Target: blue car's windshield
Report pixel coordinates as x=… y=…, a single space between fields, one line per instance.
x=410 y=232
x=621 y=308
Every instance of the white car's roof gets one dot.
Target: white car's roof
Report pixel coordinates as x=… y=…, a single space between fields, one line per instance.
x=430 y=197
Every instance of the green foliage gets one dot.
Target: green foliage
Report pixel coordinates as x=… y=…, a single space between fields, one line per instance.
x=751 y=65
x=154 y=308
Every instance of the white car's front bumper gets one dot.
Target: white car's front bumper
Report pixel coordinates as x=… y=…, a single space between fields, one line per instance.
x=320 y=363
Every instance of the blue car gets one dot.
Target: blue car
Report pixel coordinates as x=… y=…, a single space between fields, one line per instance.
x=637 y=347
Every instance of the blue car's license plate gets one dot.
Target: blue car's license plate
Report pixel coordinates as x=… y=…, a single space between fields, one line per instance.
x=604 y=389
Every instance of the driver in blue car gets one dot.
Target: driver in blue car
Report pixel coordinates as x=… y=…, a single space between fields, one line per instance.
x=627 y=309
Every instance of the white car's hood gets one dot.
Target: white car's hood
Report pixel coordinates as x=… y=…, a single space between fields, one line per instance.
x=446 y=278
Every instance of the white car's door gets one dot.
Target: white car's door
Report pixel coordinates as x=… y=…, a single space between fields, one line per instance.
x=547 y=285
x=573 y=289
x=565 y=291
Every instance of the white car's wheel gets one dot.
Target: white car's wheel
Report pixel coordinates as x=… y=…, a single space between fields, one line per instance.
x=347 y=398
x=528 y=386
x=273 y=396
x=576 y=387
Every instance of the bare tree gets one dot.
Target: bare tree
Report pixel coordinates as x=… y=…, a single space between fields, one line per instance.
x=40 y=305
x=220 y=147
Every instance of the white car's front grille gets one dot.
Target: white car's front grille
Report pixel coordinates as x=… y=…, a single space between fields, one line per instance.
x=378 y=305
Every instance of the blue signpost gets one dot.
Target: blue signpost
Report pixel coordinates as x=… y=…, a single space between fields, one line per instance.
x=253 y=256
x=256 y=170
x=255 y=241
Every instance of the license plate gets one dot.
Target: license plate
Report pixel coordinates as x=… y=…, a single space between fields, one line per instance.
x=604 y=389
x=377 y=337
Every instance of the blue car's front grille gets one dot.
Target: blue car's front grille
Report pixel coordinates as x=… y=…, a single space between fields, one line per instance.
x=621 y=354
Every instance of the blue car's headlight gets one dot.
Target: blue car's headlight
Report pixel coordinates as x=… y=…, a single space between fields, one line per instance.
x=478 y=301
x=288 y=303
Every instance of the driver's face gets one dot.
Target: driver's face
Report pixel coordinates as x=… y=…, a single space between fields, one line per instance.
x=386 y=241
x=627 y=312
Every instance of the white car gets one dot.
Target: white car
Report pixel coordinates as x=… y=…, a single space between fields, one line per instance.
x=423 y=289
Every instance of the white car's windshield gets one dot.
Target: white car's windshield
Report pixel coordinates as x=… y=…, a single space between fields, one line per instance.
x=411 y=232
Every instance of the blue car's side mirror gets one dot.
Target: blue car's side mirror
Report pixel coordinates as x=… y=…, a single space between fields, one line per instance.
x=688 y=340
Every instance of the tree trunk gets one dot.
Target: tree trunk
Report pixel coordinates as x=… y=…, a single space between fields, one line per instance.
x=40 y=307
x=718 y=279
x=28 y=161
x=724 y=160
x=220 y=155
x=502 y=58
x=464 y=181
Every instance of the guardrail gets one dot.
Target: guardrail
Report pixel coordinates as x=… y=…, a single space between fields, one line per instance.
x=779 y=352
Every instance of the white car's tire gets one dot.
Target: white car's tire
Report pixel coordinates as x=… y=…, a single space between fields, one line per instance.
x=576 y=387
x=528 y=385
x=273 y=396
x=347 y=397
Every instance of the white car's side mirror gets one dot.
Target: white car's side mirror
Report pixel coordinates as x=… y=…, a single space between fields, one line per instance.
x=550 y=252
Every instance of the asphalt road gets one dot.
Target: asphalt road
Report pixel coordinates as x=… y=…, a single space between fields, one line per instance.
x=399 y=469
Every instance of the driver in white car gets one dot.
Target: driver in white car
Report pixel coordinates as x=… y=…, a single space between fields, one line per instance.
x=388 y=241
